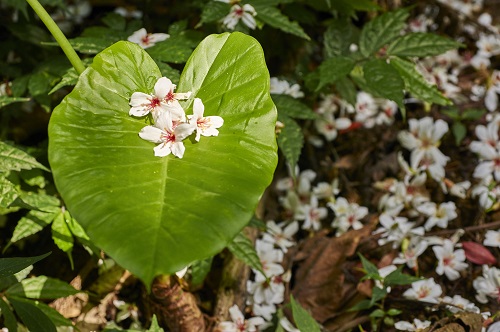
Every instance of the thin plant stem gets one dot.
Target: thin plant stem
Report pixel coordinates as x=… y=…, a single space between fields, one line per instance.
x=58 y=35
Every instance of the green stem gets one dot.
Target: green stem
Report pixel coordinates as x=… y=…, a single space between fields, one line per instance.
x=58 y=35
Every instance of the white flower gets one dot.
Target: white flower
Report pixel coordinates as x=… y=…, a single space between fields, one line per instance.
x=438 y=215
x=424 y=290
x=281 y=237
x=423 y=140
x=409 y=256
x=268 y=291
x=365 y=107
x=239 y=323
x=488 y=192
x=127 y=13
x=287 y=325
x=270 y=259
x=490 y=164
x=282 y=87
x=458 y=303
x=417 y=325
x=328 y=126
x=492 y=239
x=311 y=214
x=460 y=189
x=395 y=229
x=325 y=190
x=245 y=13
x=264 y=310
x=450 y=261
x=491 y=97
x=488 y=136
x=169 y=137
x=163 y=100
x=145 y=39
x=206 y=126
x=347 y=215
x=488 y=285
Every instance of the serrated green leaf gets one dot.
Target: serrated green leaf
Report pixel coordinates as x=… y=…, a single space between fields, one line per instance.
x=41 y=287
x=421 y=44
x=290 y=139
x=8 y=192
x=382 y=30
x=61 y=233
x=214 y=11
x=40 y=202
x=90 y=45
x=199 y=271
x=459 y=132
x=14 y=159
x=32 y=317
x=10 y=266
x=154 y=325
x=397 y=277
x=385 y=81
x=31 y=224
x=6 y=100
x=273 y=17
x=416 y=84
x=127 y=195
x=9 y=320
x=338 y=38
x=173 y=50
x=293 y=108
x=33 y=177
x=334 y=69
x=244 y=250
x=304 y=321
x=347 y=90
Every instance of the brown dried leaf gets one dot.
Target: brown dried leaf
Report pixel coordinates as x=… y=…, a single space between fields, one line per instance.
x=319 y=279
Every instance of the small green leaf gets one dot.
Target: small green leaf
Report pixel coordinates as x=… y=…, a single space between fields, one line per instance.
x=273 y=17
x=382 y=30
x=473 y=114
x=214 y=11
x=41 y=82
x=361 y=305
x=243 y=249
x=347 y=90
x=302 y=318
x=397 y=277
x=9 y=319
x=41 y=287
x=378 y=294
x=334 y=69
x=33 y=177
x=8 y=192
x=459 y=131
x=154 y=325
x=173 y=50
x=6 y=100
x=377 y=313
x=199 y=271
x=32 y=317
x=384 y=80
x=290 y=139
x=293 y=108
x=61 y=233
x=338 y=38
x=416 y=84
x=420 y=44
x=70 y=78
x=90 y=45
x=394 y=312
x=14 y=159
x=10 y=266
x=368 y=266
x=31 y=224
x=53 y=314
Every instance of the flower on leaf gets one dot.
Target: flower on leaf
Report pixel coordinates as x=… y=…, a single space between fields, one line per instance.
x=205 y=125
x=145 y=39
x=169 y=136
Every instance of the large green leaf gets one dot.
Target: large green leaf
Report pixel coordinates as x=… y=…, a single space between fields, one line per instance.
x=41 y=287
x=8 y=192
x=10 y=266
x=305 y=322
x=384 y=80
x=32 y=317
x=156 y=215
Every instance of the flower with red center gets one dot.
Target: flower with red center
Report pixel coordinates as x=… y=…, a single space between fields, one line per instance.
x=424 y=290
x=205 y=125
x=169 y=138
x=245 y=14
x=450 y=261
x=146 y=40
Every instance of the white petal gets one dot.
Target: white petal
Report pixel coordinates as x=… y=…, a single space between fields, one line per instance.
x=178 y=149
x=182 y=131
x=158 y=37
x=137 y=36
x=162 y=87
x=163 y=149
x=198 y=108
x=150 y=133
x=140 y=98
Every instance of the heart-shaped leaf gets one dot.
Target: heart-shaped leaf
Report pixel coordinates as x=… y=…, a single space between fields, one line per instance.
x=156 y=215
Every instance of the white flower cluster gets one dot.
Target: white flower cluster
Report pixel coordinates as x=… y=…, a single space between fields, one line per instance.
x=170 y=123
x=282 y=87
